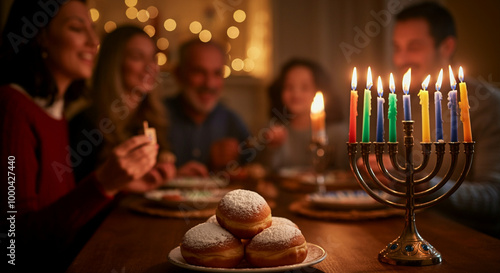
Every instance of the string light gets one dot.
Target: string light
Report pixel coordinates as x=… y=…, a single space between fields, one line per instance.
x=239 y=16
x=195 y=27
x=233 y=32
x=205 y=35
x=170 y=24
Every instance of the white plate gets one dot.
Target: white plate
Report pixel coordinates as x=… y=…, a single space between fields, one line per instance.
x=201 y=199
x=315 y=254
x=346 y=200
x=197 y=182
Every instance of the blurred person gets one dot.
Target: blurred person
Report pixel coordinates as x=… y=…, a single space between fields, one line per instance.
x=43 y=66
x=289 y=140
x=121 y=98
x=205 y=135
x=425 y=39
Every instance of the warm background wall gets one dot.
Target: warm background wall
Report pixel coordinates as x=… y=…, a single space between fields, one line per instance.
x=275 y=30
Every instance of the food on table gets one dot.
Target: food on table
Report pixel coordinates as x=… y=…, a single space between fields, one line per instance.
x=279 y=221
x=210 y=245
x=276 y=246
x=244 y=213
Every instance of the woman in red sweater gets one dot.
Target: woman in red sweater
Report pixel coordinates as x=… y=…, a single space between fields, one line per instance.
x=47 y=51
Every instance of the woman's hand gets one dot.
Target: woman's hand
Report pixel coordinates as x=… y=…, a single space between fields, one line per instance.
x=128 y=163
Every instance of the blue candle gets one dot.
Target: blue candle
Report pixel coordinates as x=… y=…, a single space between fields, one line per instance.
x=406 y=96
x=452 y=105
x=438 y=96
x=380 y=111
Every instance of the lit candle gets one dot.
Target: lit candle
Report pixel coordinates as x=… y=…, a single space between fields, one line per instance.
x=354 y=107
x=424 y=101
x=393 y=110
x=464 y=107
x=380 y=111
x=367 y=107
x=452 y=105
x=437 y=105
x=406 y=96
x=318 y=119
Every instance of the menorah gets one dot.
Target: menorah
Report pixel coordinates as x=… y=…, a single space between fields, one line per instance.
x=409 y=248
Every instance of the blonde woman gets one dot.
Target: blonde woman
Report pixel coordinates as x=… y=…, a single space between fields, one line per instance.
x=122 y=97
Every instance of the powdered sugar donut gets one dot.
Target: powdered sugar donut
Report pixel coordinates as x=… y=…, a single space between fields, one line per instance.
x=278 y=221
x=210 y=245
x=244 y=213
x=276 y=246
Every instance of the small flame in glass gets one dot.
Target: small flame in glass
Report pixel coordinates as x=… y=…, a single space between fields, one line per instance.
x=453 y=82
x=392 y=86
x=407 y=81
x=439 y=81
x=354 y=81
x=369 y=81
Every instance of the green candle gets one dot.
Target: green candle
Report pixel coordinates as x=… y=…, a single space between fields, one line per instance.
x=393 y=111
x=367 y=109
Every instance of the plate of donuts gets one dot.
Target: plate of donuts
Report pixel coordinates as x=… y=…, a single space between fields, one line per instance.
x=346 y=200
x=315 y=254
x=172 y=198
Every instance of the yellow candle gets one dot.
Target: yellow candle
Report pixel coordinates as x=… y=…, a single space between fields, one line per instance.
x=464 y=107
x=318 y=119
x=424 y=101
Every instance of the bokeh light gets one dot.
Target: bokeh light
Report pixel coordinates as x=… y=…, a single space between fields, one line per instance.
x=109 y=26
x=143 y=15
x=162 y=43
x=233 y=32
x=130 y=3
x=239 y=16
x=205 y=35
x=237 y=64
x=249 y=65
x=131 y=13
x=253 y=52
x=195 y=27
x=153 y=11
x=170 y=24
x=227 y=71
x=161 y=58
x=150 y=30
x=94 y=14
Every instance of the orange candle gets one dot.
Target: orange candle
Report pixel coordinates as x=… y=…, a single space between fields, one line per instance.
x=354 y=108
x=464 y=107
x=318 y=119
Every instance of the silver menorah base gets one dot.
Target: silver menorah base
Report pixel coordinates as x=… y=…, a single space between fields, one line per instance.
x=409 y=248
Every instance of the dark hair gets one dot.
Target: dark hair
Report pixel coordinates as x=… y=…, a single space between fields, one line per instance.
x=321 y=80
x=21 y=60
x=441 y=23
x=184 y=51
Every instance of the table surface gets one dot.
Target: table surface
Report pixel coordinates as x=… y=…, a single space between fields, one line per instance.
x=132 y=242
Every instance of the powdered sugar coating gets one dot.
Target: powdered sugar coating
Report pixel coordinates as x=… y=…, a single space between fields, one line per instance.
x=207 y=235
x=212 y=219
x=279 y=221
x=243 y=204
x=280 y=235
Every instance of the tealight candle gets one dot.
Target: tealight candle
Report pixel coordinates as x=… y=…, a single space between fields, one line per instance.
x=367 y=107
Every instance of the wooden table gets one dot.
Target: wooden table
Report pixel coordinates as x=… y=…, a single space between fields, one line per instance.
x=131 y=242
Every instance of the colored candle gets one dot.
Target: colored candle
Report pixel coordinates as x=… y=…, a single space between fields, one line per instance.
x=380 y=111
x=452 y=105
x=406 y=96
x=437 y=106
x=424 y=101
x=464 y=107
x=367 y=107
x=393 y=110
x=318 y=119
x=354 y=108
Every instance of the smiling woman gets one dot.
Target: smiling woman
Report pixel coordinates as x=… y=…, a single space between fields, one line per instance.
x=51 y=217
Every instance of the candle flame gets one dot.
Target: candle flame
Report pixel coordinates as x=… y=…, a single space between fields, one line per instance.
x=369 y=81
x=392 y=86
x=380 y=87
x=425 y=83
x=439 y=81
x=318 y=104
x=461 y=74
x=453 y=82
x=407 y=81
x=354 y=81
